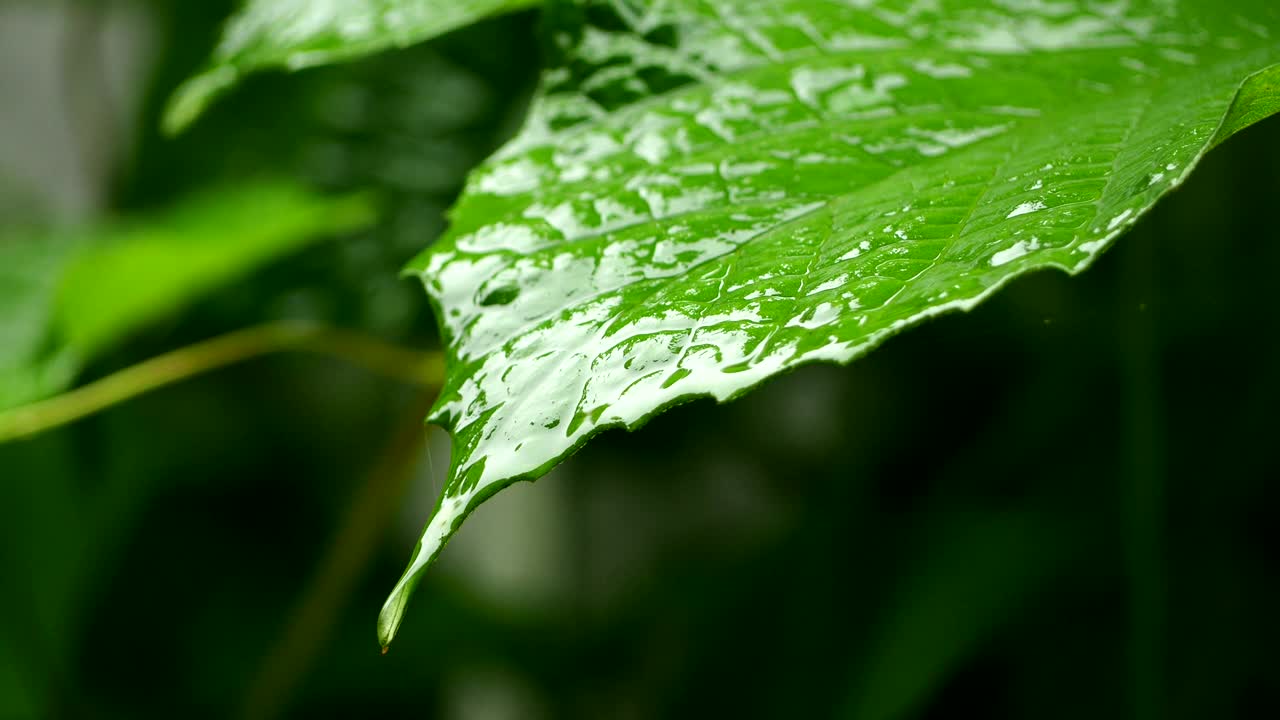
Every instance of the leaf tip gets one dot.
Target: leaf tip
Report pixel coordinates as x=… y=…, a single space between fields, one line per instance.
x=392 y=613
x=439 y=528
x=194 y=96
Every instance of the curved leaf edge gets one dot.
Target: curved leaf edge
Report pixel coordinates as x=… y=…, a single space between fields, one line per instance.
x=1257 y=99
x=195 y=95
x=1259 y=88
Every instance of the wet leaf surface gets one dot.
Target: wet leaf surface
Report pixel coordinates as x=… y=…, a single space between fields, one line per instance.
x=709 y=193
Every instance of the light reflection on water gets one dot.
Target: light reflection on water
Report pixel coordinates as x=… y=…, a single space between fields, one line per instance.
x=680 y=245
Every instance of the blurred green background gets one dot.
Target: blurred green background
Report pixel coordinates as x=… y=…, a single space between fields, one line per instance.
x=1061 y=505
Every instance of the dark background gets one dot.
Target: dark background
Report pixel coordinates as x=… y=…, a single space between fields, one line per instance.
x=1060 y=505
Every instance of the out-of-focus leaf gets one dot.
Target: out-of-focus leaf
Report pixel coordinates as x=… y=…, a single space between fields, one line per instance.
x=296 y=34
x=67 y=296
x=30 y=269
x=710 y=193
x=145 y=269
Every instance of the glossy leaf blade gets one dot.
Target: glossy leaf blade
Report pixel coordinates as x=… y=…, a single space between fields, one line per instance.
x=296 y=34
x=1256 y=101
x=711 y=192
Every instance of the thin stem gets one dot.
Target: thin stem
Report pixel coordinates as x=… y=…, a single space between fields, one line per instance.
x=412 y=367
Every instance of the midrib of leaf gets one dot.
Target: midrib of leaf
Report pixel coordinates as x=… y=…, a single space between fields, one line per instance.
x=709 y=150
x=486 y=214
x=1148 y=136
x=1017 y=127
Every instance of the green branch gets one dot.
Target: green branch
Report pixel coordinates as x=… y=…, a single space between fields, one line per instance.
x=412 y=367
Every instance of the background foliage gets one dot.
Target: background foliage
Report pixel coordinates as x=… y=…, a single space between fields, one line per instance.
x=1056 y=506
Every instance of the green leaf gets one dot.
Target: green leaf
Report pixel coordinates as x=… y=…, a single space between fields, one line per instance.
x=297 y=34
x=712 y=192
x=144 y=269
x=1257 y=100
x=67 y=296
x=30 y=268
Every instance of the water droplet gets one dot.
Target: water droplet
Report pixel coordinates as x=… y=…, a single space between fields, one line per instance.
x=1026 y=208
